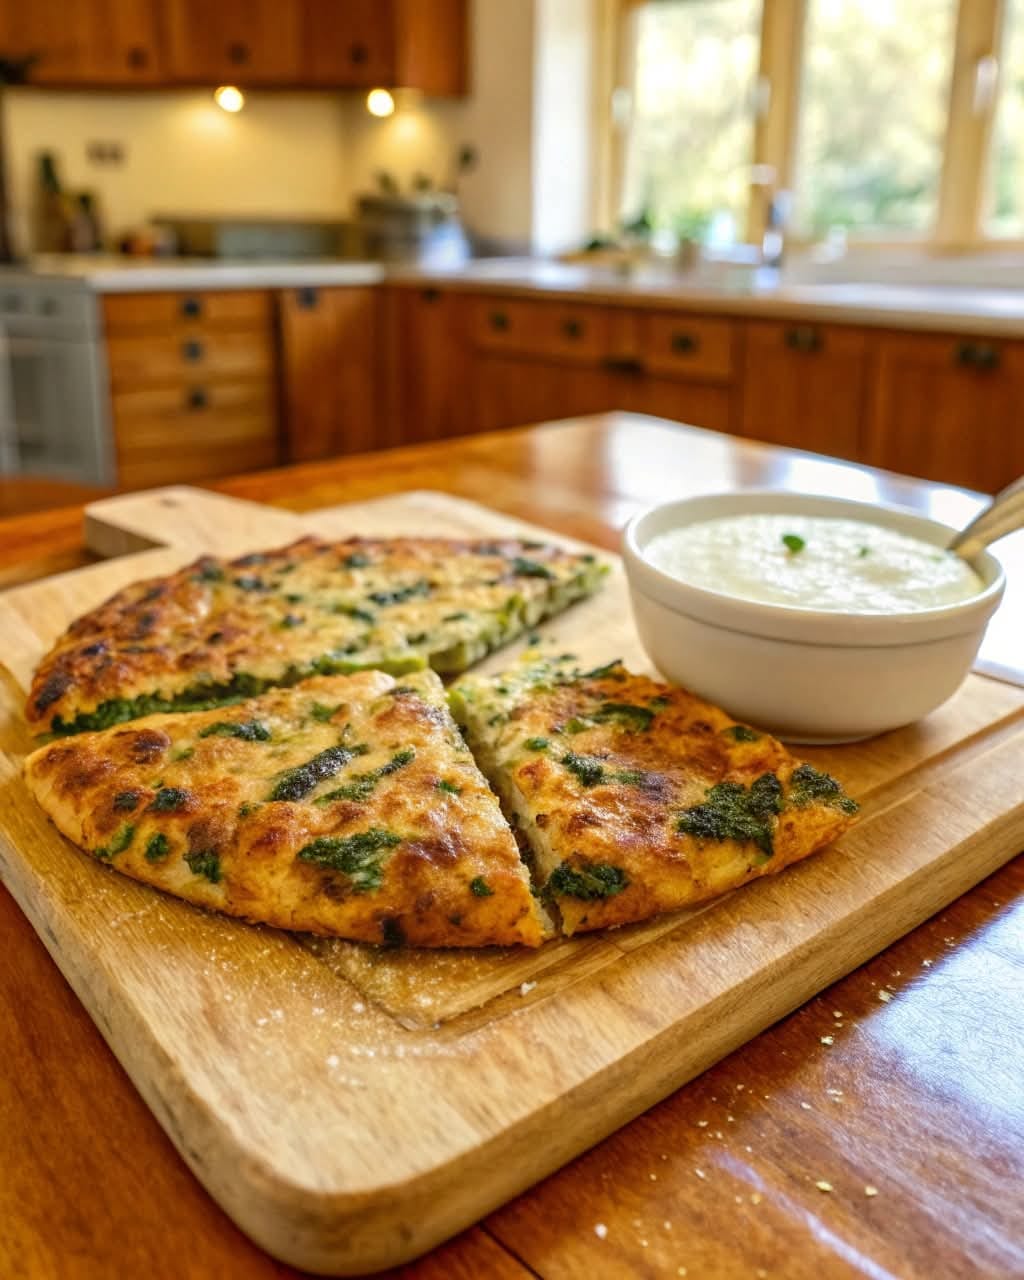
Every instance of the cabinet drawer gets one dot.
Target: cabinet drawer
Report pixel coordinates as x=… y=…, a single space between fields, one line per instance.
x=690 y=346
x=181 y=358
x=230 y=309
x=159 y=412
x=165 y=434
x=561 y=331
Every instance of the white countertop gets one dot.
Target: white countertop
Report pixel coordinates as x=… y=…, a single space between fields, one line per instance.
x=114 y=274
x=950 y=308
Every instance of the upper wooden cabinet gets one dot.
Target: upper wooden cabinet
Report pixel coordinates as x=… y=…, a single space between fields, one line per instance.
x=418 y=44
x=90 y=42
x=949 y=408
x=234 y=41
x=804 y=385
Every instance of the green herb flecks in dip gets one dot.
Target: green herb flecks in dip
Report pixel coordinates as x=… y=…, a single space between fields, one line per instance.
x=480 y=888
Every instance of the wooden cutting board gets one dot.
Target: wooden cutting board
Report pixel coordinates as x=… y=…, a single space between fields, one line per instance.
x=351 y=1108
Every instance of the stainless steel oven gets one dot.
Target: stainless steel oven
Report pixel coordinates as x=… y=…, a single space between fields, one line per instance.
x=54 y=403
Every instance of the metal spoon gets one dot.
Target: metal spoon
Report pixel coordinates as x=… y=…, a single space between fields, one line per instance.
x=1003 y=515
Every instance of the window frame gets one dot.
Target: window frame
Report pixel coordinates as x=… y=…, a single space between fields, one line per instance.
x=959 y=221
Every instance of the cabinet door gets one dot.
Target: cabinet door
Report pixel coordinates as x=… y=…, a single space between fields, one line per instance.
x=244 y=41
x=429 y=365
x=349 y=42
x=949 y=408
x=804 y=385
x=512 y=391
x=330 y=348
x=431 y=46
x=121 y=42
x=699 y=404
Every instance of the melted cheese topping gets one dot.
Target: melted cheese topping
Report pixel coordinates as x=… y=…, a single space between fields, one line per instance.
x=815 y=562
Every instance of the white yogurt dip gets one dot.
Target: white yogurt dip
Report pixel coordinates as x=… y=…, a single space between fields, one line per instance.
x=814 y=562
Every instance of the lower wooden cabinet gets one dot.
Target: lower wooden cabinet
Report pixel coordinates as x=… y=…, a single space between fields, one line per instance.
x=804 y=385
x=948 y=408
x=197 y=432
x=699 y=404
x=428 y=365
x=330 y=371
x=512 y=391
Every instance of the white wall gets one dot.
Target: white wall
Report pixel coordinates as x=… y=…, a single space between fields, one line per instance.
x=284 y=154
x=528 y=114
x=563 y=123
x=497 y=118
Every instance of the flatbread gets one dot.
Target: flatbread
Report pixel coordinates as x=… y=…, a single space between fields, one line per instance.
x=633 y=797
x=345 y=805
x=224 y=629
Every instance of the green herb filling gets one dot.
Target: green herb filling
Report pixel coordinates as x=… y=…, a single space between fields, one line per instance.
x=360 y=857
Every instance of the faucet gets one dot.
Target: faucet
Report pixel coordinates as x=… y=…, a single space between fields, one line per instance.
x=773 y=242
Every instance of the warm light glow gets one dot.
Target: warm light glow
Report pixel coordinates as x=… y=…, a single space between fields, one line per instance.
x=380 y=103
x=228 y=98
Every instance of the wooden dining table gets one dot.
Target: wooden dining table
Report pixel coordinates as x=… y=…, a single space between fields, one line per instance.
x=892 y=1149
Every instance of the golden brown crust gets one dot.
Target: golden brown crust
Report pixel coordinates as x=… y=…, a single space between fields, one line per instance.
x=219 y=628
x=387 y=833
x=609 y=776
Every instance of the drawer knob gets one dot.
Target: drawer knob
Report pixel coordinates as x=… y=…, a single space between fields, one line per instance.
x=498 y=321
x=138 y=57
x=192 y=350
x=977 y=355
x=191 y=308
x=238 y=53
x=431 y=295
x=623 y=364
x=307 y=298
x=684 y=343
x=573 y=328
x=802 y=338
x=197 y=398
x=359 y=54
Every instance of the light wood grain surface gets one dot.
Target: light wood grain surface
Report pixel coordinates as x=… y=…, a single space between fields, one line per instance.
x=915 y=1095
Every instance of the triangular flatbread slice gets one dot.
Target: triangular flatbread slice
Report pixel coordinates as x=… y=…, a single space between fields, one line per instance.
x=636 y=797
x=219 y=630
x=346 y=805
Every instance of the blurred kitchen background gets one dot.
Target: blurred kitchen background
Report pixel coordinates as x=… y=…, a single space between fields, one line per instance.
x=243 y=234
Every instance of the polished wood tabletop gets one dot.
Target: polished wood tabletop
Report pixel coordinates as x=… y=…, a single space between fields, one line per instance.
x=876 y=1132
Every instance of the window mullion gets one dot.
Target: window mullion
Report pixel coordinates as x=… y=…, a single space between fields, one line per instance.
x=782 y=27
x=968 y=126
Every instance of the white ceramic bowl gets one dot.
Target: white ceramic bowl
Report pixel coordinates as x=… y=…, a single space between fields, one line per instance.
x=806 y=675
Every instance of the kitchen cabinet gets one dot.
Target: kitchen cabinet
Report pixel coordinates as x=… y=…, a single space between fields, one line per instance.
x=419 y=44
x=804 y=385
x=512 y=391
x=193 y=389
x=430 y=364
x=90 y=42
x=948 y=408
x=331 y=344
x=234 y=41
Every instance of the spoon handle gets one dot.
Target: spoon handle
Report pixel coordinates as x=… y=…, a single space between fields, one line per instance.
x=1003 y=515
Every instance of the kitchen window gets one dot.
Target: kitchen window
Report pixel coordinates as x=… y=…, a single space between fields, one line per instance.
x=691 y=139
x=886 y=120
x=872 y=116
